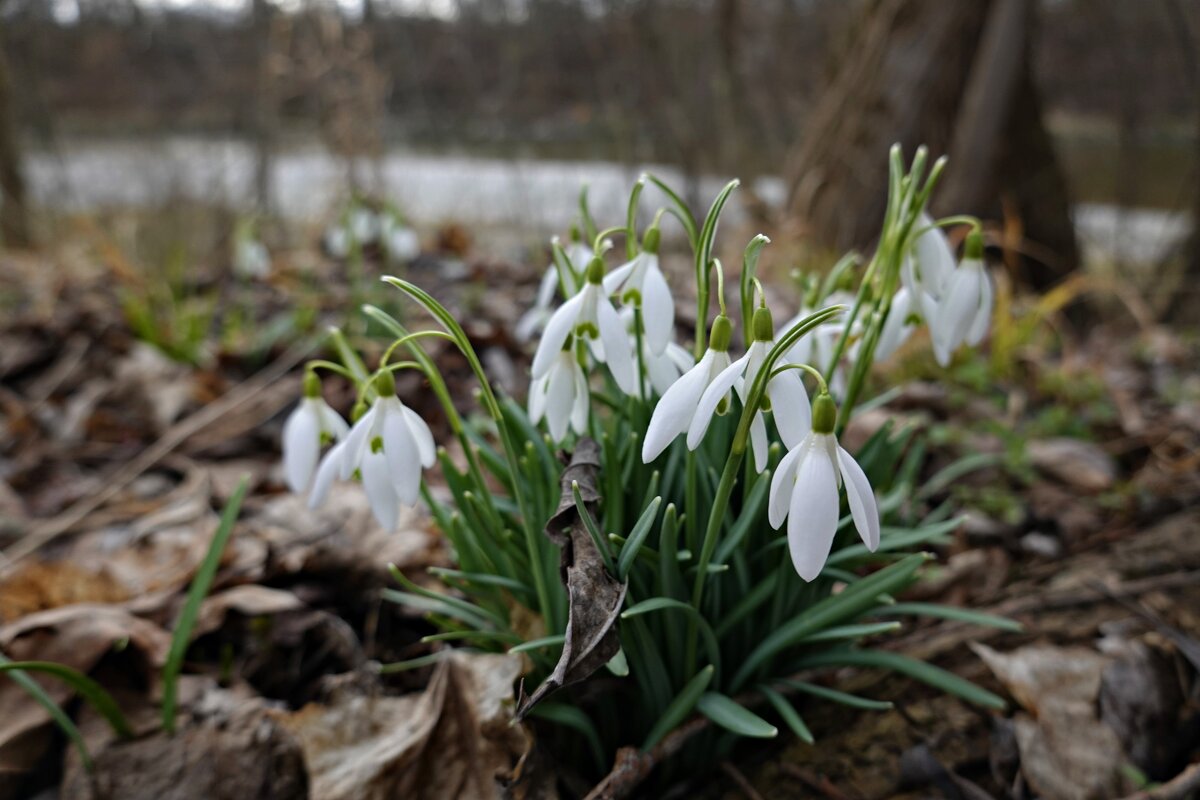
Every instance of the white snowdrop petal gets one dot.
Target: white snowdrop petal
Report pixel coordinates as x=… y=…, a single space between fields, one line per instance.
x=863 y=509
x=935 y=259
x=558 y=328
x=758 y=441
x=547 y=287
x=301 y=445
x=782 y=482
x=559 y=400
x=813 y=514
x=400 y=453
x=662 y=372
x=674 y=410
x=358 y=441
x=381 y=494
x=790 y=407
x=615 y=280
x=331 y=464
x=961 y=303
x=658 y=310
x=983 y=314
x=617 y=350
x=895 y=328
x=707 y=406
x=581 y=403
x=423 y=437
x=537 y=399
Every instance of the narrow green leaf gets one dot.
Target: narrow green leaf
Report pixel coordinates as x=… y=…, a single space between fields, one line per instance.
x=618 y=665
x=894 y=539
x=841 y=632
x=182 y=634
x=537 y=644
x=461 y=608
x=846 y=699
x=680 y=707
x=57 y=714
x=593 y=530
x=788 y=713
x=637 y=538
x=412 y=663
x=732 y=716
x=670 y=604
x=574 y=718
x=749 y=515
x=85 y=687
x=918 y=670
x=951 y=612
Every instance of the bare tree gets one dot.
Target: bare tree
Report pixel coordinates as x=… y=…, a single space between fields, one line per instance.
x=14 y=214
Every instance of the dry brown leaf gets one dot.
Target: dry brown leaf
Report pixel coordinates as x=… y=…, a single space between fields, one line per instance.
x=452 y=740
x=1066 y=752
x=250 y=600
x=594 y=596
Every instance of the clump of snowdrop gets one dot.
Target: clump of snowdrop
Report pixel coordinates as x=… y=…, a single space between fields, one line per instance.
x=699 y=450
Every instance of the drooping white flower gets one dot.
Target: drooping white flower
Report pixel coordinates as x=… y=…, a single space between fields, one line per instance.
x=785 y=392
x=363 y=224
x=305 y=430
x=965 y=311
x=337 y=241
x=589 y=315
x=676 y=409
x=927 y=268
x=899 y=325
x=388 y=446
x=400 y=241
x=816 y=347
x=804 y=490
x=663 y=369
x=561 y=395
x=251 y=259
x=579 y=255
x=640 y=283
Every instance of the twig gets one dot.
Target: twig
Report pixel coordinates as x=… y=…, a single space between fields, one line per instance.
x=1178 y=788
x=177 y=435
x=818 y=783
x=633 y=766
x=737 y=777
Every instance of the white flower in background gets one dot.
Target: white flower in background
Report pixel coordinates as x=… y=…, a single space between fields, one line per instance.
x=250 y=258
x=364 y=224
x=307 y=428
x=589 y=315
x=561 y=395
x=804 y=490
x=676 y=409
x=929 y=266
x=899 y=325
x=663 y=369
x=785 y=393
x=388 y=446
x=965 y=310
x=579 y=255
x=817 y=346
x=400 y=241
x=640 y=283
x=337 y=241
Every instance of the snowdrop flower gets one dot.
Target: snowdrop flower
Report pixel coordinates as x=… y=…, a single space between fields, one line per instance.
x=966 y=308
x=663 y=369
x=785 y=395
x=901 y=322
x=816 y=347
x=337 y=241
x=804 y=490
x=589 y=315
x=305 y=430
x=400 y=241
x=363 y=224
x=640 y=283
x=926 y=270
x=677 y=408
x=388 y=446
x=250 y=257
x=579 y=255
x=561 y=395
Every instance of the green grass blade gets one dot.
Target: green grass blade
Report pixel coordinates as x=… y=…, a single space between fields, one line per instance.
x=191 y=609
x=668 y=603
x=593 y=530
x=734 y=717
x=788 y=713
x=841 y=632
x=574 y=718
x=537 y=644
x=57 y=714
x=917 y=670
x=84 y=686
x=951 y=612
x=637 y=538
x=845 y=698
x=680 y=707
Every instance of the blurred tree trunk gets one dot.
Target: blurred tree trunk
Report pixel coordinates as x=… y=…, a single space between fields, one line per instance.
x=952 y=76
x=14 y=214
x=263 y=114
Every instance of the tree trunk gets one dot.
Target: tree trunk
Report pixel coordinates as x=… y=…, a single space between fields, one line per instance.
x=14 y=214
x=263 y=113
x=952 y=76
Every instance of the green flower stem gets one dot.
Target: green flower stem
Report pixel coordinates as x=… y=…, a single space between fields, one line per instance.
x=532 y=542
x=631 y=246
x=338 y=369
x=746 y=282
x=604 y=234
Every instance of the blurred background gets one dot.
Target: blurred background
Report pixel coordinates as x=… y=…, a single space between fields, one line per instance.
x=1072 y=124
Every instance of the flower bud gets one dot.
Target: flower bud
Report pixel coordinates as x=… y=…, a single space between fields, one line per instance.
x=763 y=326
x=721 y=334
x=595 y=270
x=385 y=384
x=824 y=413
x=312 y=384
x=974 y=246
x=651 y=240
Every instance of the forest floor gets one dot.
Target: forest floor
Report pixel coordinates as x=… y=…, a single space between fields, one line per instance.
x=1082 y=523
